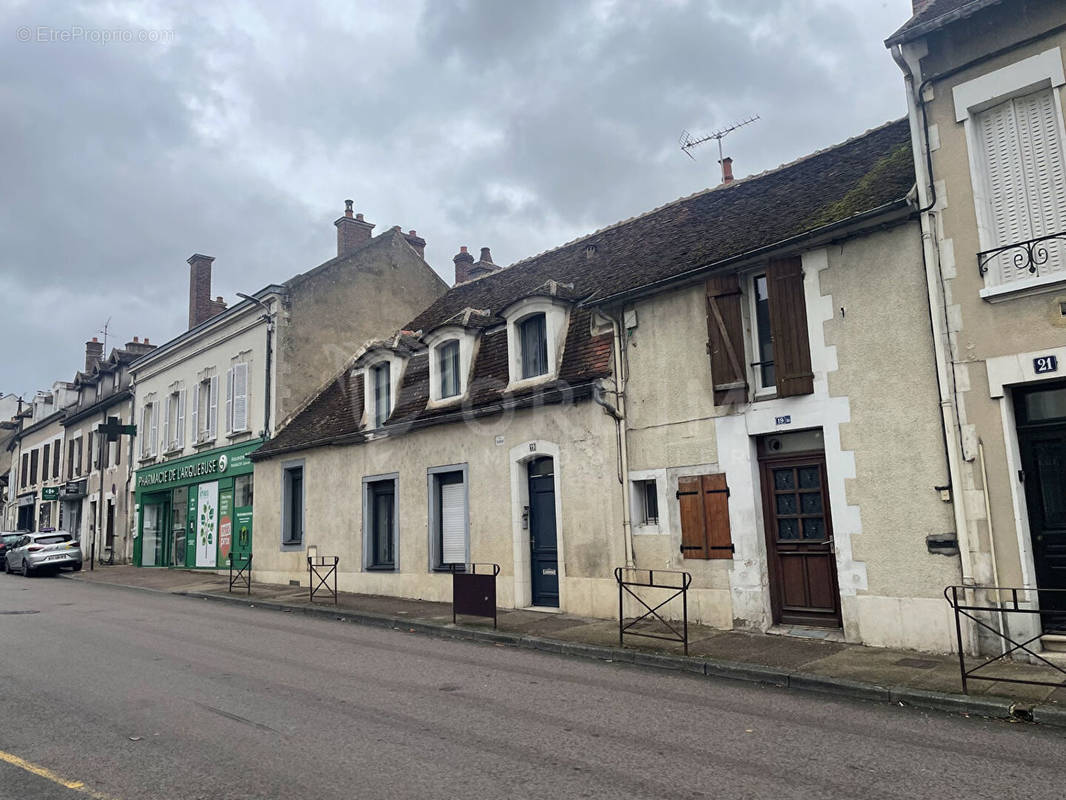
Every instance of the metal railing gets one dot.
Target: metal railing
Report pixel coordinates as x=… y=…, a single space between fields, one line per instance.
x=243 y=573
x=674 y=581
x=319 y=571
x=1029 y=255
x=1010 y=600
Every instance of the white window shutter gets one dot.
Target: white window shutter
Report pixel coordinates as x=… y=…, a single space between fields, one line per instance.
x=212 y=411
x=143 y=432
x=240 y=397
x=165 y=442
x=229 y=400
x=179 y=434
x=453 y=523
x=153 y=434
x=1042 y=161
x=195 y=413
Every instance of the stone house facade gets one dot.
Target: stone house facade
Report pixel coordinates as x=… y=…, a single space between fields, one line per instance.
x=985 y=87
x=708 y=387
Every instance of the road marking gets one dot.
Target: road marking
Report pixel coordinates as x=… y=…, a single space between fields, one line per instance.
x=48 y=775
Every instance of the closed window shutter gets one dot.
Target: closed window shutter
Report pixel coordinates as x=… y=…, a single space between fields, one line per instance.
x=153 y=419
x=453 y=523
x=212 y=410
x=704 y=502
x=240 y=397
x=195 y=413
x=693 y=525
x=788 y=322
x=725 y=340
x=166 y=423
x=1042 y=165
x=229 y=400
x=179 y=434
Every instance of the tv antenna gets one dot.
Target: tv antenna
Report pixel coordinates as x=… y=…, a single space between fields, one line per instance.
x=687 y=142
x=104 y=331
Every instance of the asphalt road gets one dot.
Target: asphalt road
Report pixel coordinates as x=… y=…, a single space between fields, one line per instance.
x=138 y=695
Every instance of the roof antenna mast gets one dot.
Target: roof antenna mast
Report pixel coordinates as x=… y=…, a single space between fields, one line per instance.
x=687 y=143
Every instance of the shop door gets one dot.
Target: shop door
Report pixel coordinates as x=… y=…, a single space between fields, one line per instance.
x=1042 y=441
x=544 y=550
x=153 y=532
x=179 y=511
x=799 y=537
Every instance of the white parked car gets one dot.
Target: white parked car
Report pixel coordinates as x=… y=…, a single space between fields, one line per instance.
x=48 y=550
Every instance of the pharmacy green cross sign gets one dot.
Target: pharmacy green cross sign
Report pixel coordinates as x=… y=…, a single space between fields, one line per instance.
x=112 y=429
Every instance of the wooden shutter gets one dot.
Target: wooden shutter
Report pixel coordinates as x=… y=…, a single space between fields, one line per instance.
x=195 y=413
x=704 y=501
x=725 y=340
x=229 y=400
x=153 y=420
x=179 y=432
x=45 y=461
x=240 y=397
x=212 y=409
x=166 y=441
x=788 y=324
x=56 y=452
x=1042 y=169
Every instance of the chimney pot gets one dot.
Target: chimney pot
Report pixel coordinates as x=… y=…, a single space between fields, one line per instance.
x=727 y=169
x=486 y=255
x=484 y=266
x=145 y=340
x=136 y=339
x=352 y=231
x=464 y=262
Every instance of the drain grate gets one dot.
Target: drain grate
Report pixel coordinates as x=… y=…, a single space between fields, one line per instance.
x=13 y=613
x=917 y=663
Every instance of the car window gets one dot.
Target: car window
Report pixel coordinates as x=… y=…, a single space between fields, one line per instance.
x=11 y=538
x=53 y=538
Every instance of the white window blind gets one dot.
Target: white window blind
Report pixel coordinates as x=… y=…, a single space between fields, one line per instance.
x=453 y=523
x=240 y=397
x=1022 y=142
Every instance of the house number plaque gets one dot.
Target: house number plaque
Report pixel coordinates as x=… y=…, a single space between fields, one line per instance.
x=1045 y=364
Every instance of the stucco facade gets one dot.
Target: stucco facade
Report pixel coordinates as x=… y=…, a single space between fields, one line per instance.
x=994 y=317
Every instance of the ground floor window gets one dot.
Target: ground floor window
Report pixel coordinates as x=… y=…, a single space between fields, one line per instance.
x=45 y=518
x=449 y=526
x=379 y=523
x=179 y=517
x=292 y=498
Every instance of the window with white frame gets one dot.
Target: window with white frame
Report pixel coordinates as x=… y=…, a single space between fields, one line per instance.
x=449 y=525
x=173 y=421
x=448 y=368
x=381 y=390
x=761 y=334
x=149 y=431
x=1015 y=138
x=451 y=350
x=647 y=496
x=536 y=331
x=205 y=409
x=237 y=398
x=533 y=344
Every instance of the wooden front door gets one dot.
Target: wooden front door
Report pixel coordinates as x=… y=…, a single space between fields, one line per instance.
x=1042 y=441
x=799 y=541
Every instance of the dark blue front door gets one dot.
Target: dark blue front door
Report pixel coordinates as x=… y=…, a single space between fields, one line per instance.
x=544 y=549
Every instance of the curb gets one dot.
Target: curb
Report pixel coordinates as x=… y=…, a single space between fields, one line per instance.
x=947 y=702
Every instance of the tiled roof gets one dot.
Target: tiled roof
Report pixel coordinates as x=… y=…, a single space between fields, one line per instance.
x=862 y=174
x=936 y=15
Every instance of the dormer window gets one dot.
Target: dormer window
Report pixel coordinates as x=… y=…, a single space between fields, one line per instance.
x=533 y=336
x=380 y=380
x=448 y=365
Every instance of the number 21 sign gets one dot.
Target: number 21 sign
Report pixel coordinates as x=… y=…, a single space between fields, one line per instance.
x=1044 y=364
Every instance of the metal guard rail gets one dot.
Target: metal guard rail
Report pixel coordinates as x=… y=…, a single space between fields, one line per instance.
x=243 y=575
x=1013 y=605
x=626 y=577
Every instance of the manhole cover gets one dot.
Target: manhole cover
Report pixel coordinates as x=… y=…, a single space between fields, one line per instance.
x=917 y=663
x=12 y=613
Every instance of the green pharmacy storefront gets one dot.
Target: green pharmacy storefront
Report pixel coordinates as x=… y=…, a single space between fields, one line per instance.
x=195 y=512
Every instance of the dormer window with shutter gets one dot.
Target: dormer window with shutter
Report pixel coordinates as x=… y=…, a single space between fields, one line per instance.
x=778 y=342
x=1014 y=133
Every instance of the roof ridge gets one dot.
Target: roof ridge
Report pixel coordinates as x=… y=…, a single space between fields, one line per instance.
x=700 y=193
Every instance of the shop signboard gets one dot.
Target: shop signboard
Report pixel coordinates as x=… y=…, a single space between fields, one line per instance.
x=207 y=524
x=225 y=524
x=50 y=493
x=243 y=523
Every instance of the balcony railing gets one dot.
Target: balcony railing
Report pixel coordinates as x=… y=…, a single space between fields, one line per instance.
x=1029 y=255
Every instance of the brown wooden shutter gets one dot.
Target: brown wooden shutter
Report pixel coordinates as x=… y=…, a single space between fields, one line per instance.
x=788 y=323
x=716 y=516
x=704 y=502
x=693 y=526
x=725 y=340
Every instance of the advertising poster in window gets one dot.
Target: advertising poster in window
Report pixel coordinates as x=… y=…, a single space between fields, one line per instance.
x=206 y=524
x=243 y=545
x=225 y=524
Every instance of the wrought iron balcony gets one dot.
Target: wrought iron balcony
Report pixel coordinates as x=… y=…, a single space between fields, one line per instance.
x=1030 y=255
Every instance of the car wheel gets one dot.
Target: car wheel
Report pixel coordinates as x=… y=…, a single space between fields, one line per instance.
x=26 y=571
x=77 y=567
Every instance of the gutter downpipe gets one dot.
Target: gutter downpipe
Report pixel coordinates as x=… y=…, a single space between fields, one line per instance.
x=941 y=345
x=618 y=413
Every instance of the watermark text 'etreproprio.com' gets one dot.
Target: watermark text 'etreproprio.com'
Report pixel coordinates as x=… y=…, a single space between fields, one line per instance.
x=78 y=33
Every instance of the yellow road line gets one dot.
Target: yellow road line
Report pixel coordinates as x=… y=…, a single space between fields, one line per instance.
x=48 y=775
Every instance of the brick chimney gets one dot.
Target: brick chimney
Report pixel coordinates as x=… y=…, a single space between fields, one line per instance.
x=463 y=264
x=137 y=347
x=201 y=307
x=727 y=169
x=484 y=265
x=94 y=353
x=417 y=242
x=352 y=230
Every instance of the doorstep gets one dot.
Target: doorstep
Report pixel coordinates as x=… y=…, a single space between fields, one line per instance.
x=808 y=632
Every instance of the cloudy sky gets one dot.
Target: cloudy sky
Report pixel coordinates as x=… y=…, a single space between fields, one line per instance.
x=238 y=129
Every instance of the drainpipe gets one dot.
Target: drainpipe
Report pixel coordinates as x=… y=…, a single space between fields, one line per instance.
x=617 y=412
x=269 y=318
x=938 y=318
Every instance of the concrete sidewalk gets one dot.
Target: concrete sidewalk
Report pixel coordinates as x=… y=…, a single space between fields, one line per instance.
x=805 y=662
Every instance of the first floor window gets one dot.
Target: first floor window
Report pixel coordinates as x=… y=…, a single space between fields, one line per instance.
x=25 y=471
x=34 y=455
x=647 y=502
x=292 y=528
x=237 y=398
x=449 y=518
x=45 y=462
x=533 y=340
x=205 y=409
x=56 y=449
x=449 y=368
x=764 y=340
x=380 y=525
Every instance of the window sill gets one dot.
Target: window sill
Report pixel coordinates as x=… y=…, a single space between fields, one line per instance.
x=528 y=383
x=390 y=568
x=764 y=394
x=204 y=444
x=1024 y=288
x=289 y=547
x=237 y=436
x=446 y=402
x=144 y=461
x=174 y=451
